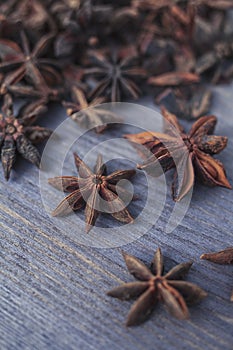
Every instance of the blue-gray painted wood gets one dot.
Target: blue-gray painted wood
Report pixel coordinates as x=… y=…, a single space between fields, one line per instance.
x=53 y=289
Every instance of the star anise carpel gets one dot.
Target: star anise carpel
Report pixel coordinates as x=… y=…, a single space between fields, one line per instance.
x=116 y=75
x=18 y=134
x=89 y=114
x=152 y=287
x=94 y=190
x=190 y=154
x=174 y=79
x=223 y=257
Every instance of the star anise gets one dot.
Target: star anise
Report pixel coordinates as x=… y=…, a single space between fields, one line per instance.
x=174 y=79
x=218 y=4
x=152 y=5
x=222 y=50
x=115 y=75
x=195 y=105
x=191 y=154
x=33 y=15
x=223 y=257
x=6 y=10
x=17 y=134
x=27 y=64
x=153 y=287
x=87 y=114
x=71 y=13
x=96 y=191
x=43 y=93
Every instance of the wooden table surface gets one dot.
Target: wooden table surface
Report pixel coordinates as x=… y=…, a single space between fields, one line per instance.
x=53 y=289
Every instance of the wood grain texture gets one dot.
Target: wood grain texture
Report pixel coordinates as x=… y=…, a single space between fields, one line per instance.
x=53 y=289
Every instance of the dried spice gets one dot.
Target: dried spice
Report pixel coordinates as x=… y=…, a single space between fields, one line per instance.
x=174 y=79
x=110 y=51
x=31 y=14
x=71 y=13
x=115 y=75
x=153 y=287
x=195 y=105
x=191 y=154
x=217 y=58
x=95 y=191
x=89 y=115
x=27 y=64
x=17 y=134
x=223 y=257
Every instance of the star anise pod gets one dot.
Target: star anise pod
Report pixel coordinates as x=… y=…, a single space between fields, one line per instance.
x=152 y=5
x=174 y=79
x=17 y=134
x=191 y=154
x=193 y=107
x=223 y=257
x=33 y=15
x=218 y=4
x=96 y=191
x=73 y=76
x=71 y=13
x=115 y=75
x=222 y=50
x=89 y=114
x=43 y=93
x=6 y=10
x=153 y=287
x=27 y=64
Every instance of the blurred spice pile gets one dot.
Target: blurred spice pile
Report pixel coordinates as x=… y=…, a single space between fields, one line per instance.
x=81 y=53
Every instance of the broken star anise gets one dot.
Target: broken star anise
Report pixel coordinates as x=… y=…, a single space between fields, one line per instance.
x=17 y=134
x=191 y=154
x=96 y=191
x=152 y=287
x=115 y=75
x=223 y=257
x=89 y=115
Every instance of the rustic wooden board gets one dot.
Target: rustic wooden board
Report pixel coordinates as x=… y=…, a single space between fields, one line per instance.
x=53 y=289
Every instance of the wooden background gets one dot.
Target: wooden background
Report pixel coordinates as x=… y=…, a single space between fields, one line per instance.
x=53 y=289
